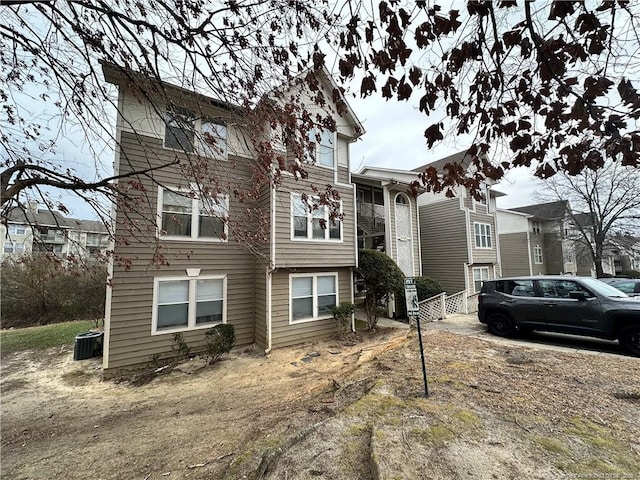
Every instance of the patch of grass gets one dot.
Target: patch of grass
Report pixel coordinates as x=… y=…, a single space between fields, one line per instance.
x=40 y=338
x=436 y=435
x=375 y=405
x=357 y=429
x=550 y=444
x=592 y=433
x=468 y=418
x=602 y=444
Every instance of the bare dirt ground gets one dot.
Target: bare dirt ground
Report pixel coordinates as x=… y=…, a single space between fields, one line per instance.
x=354 y=412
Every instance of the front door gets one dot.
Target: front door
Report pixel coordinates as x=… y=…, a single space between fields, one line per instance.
x=404 y=244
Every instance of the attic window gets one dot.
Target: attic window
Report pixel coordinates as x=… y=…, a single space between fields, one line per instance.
x=180 y=129
x=324 y=147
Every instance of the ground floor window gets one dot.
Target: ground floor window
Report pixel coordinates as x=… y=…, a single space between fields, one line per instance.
x=480 y=274
x=188 y=303
x=312 y=296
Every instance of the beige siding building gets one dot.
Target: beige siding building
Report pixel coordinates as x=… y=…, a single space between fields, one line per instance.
x=458 y=240
x=213 y=237
x=388 y=217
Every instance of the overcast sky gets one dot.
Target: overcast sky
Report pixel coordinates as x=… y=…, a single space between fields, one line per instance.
x=394 y=139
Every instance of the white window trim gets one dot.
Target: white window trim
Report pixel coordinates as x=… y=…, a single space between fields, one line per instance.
x=316 y=159
x=191 y=321
x=14 y=227
x=483 y=235
x=536 y=228
x=310 y=238
x=481 y=279
x=315 y=295
x=195 y=219
x=538 y=258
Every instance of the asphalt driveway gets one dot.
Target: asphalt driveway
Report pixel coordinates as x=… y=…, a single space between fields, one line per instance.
x=469 y=325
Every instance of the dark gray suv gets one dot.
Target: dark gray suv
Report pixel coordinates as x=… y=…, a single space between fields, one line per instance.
x=576 y=305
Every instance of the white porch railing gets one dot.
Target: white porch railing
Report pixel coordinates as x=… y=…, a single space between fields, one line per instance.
x=440 y=306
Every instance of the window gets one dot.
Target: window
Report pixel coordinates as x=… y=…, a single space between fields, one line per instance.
x=480 y=274
x=519 y=288
x=324 y=147
x=313 y=222
x=537 y=254
x=561 y=288
x=13 y=247
x=180 y=129
x=536 y=228
x=185 y=217
x=17 y=229
x=188 y=303
x=313 y=296
x=214 y=139
x=483 y=235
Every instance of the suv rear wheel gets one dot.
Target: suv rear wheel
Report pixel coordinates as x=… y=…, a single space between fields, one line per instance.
x=500 y=324
x=630 y=339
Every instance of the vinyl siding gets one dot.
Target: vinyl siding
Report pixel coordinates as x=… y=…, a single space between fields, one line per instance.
x=312 y=253
x=514 y=254
x=483 y=255
x=285 y=334
x=443 y=239
x=261 y=306
x=538 y=268
x=553 y=260
x=130 y=339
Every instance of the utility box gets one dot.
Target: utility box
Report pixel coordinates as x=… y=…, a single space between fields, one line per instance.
x=87 y=345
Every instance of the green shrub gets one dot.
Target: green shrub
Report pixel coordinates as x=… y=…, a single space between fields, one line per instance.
x=342 y=315
x=180 y=346
x=43 y=289
x=220 y=340
x=382 y=277
x=427 y=287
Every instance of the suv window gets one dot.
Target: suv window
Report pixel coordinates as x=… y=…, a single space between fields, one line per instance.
x=520 y=288
x=561 y=288
x=626 y=287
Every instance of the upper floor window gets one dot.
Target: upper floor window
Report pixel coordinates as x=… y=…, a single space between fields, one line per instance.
x=188 y=303
x=183 y=131
x=13 y=247
x=214 y=139
x=15 y=229
x=313 y=296
x=536 y=228
x=482 y=233
x=183 y=216
x=323 y=142
x=180 y=129
x=537 y=254
x=313 y=222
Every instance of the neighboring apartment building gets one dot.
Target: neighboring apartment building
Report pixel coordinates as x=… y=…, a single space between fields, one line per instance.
x=31 y=229
x=537 y=240
x=275 y=287
x=388 y=216
x=459 y=245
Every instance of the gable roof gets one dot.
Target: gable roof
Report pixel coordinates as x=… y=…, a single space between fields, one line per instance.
x=122 y=76
x=461 y=158
x=387 y=176
x=43 y=218
x=545 y=211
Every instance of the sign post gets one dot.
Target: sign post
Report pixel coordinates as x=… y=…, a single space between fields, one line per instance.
x=413 y=310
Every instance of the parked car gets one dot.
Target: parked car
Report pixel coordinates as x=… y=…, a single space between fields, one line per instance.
x=630 y=286
x=576 y=305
